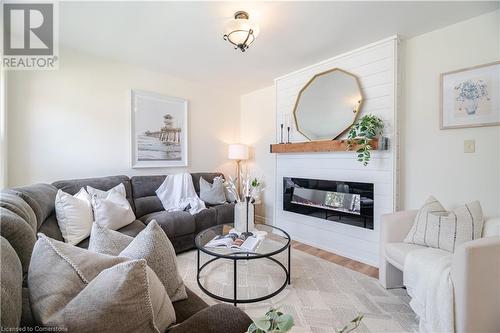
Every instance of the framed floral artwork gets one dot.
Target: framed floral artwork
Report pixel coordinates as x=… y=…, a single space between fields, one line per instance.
x=470 y=97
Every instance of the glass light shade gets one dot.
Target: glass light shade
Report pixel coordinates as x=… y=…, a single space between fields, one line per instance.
x=237 y=31
x=237 y=152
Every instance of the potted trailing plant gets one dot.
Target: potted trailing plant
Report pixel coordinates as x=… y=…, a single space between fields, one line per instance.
x=361 y=133
x=275 y=321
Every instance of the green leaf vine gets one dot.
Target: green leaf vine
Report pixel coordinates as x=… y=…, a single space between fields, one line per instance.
x=275 y=321
x=361 y=133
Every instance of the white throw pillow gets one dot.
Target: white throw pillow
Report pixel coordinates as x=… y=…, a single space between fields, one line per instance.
x=212 y=194
x=74 y=215
x=120 y=188
x=438 y=228
x=111 y=208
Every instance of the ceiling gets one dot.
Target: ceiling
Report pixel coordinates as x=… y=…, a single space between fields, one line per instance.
x=184 y=39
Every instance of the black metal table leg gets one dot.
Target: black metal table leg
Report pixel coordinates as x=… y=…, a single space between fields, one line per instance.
x=235 y=282
x=198 y=262
x=289 y=263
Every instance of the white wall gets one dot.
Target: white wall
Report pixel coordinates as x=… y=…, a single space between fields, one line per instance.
x=375 y=67
x=257 y=122
x=74 y=122
x=433 y=160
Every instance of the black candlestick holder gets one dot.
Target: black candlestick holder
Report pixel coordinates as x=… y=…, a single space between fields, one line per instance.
x=247 y=233
x=288 y=134
x=281 y=134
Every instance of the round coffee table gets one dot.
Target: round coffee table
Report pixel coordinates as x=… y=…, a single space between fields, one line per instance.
x=274 y=242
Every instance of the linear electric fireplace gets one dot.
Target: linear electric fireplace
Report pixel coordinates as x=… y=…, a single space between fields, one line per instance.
x=339 y=201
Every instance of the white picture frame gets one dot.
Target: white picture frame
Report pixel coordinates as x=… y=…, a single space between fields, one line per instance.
x=158 y=130
x=470 y=97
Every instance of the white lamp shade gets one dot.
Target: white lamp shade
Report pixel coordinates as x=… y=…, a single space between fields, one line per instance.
x=237 y=152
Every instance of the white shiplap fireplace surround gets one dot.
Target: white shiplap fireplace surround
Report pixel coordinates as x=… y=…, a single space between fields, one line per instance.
x=376 y=67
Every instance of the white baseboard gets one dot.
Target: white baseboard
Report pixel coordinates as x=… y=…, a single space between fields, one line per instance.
x=263 y=219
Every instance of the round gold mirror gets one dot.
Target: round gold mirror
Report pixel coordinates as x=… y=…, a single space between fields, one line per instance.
x=328 y=105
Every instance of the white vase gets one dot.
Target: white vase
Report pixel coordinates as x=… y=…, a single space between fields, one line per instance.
x=240 y=216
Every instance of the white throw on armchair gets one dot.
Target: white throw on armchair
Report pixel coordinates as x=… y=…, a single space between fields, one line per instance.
x=475 y=271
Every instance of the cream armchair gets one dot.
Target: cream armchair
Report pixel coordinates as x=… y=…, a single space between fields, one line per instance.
x=475 y=271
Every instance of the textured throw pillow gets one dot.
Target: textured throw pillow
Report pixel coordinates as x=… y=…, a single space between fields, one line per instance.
x=107 y=241
x=111 y=208
x=212 y=194
x=83 y=291
x=438 y=228
x=151 y=244
x=11 y=277
x=74 y=215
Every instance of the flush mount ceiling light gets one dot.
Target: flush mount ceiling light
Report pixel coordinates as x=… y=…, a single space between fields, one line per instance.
x=240 y=31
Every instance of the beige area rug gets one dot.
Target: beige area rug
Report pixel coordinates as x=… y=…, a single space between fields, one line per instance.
x=322 y=296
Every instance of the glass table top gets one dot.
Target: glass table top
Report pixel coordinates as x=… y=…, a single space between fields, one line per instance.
x=272 y=240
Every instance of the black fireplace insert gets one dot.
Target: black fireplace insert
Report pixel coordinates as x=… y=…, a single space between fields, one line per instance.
x=344 y=202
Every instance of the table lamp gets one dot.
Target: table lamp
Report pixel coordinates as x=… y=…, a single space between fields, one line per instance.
x=238 y=152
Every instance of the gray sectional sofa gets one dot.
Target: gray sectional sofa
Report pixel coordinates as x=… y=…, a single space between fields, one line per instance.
x=27 y=210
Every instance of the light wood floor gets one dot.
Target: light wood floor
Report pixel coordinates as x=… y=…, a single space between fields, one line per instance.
x=339 y=260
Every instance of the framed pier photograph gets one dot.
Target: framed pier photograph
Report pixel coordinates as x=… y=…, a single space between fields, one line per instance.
x=158 y=130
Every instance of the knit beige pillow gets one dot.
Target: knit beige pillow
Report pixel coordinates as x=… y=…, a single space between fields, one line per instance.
x=107 y=241
x=82 y=291
x=151 y=244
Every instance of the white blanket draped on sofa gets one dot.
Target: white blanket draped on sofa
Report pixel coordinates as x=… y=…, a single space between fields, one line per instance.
x=177 y=193
x=427 y=277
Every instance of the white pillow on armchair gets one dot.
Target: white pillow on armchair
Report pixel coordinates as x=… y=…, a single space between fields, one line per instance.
x=436 y=227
